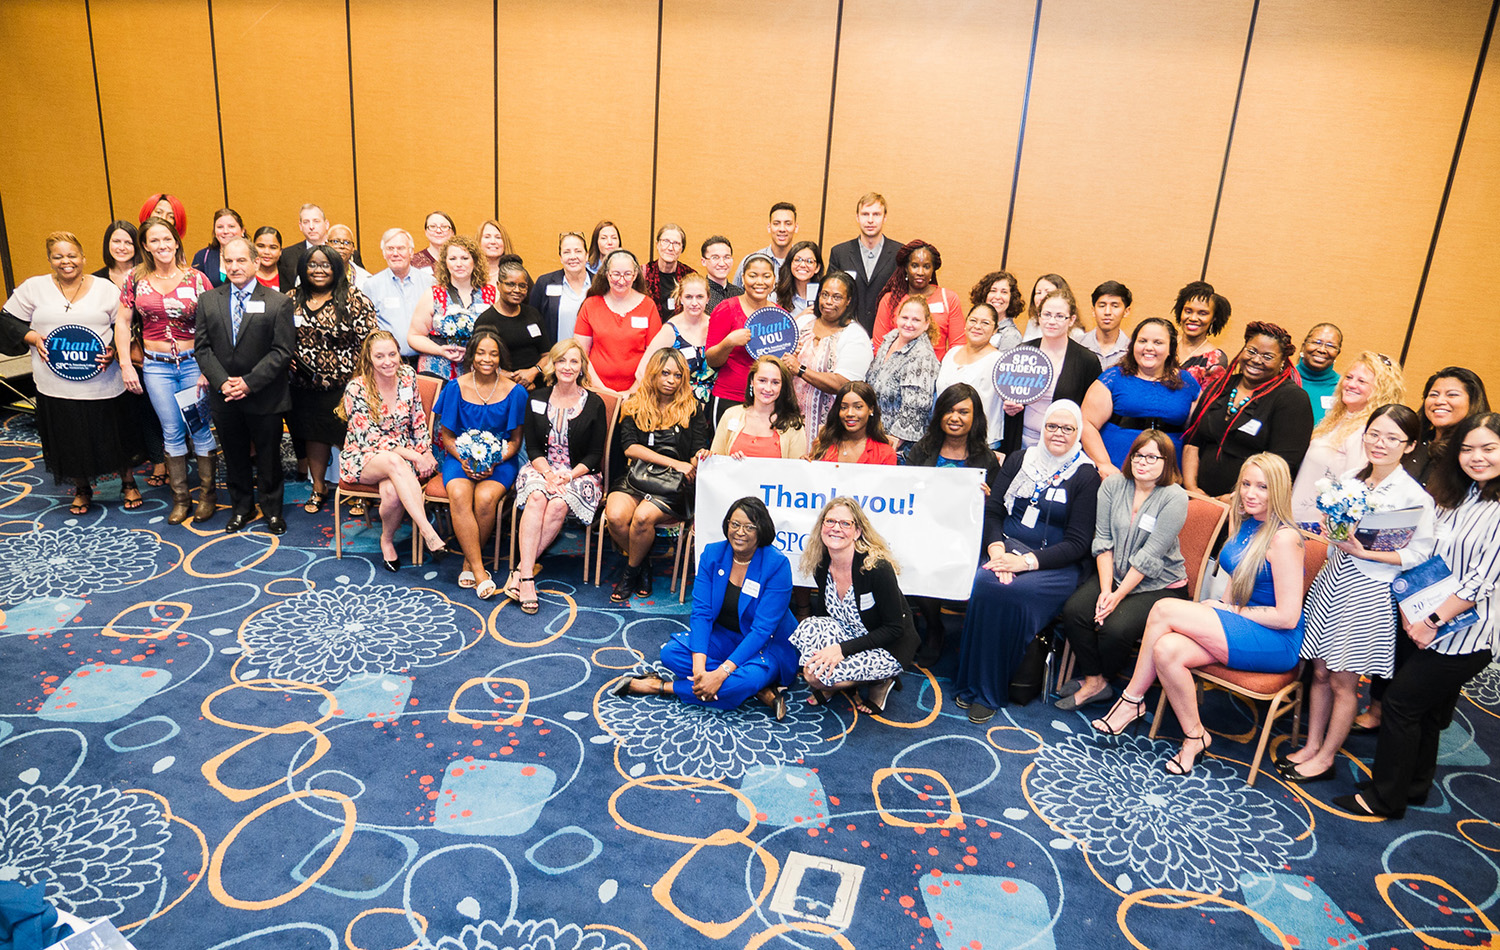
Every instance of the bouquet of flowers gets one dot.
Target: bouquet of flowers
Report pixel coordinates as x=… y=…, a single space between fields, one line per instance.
x=456 y=327
x=1344 y=501
x=481 y=449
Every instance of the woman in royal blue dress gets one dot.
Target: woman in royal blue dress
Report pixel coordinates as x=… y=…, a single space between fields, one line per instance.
x=1147 y=391
x=481 y=400
x=736 y=645
x=1257 y=626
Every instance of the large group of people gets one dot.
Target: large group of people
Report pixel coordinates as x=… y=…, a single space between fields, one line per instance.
x=453 y=374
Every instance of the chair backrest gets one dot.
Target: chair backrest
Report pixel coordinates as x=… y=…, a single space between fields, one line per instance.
x=427 y=388
x=612 y=403
x=1314 y=554
x=1205 y=520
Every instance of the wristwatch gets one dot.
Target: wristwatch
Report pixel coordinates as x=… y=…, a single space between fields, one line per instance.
x=1435 y=620
x=800 y=371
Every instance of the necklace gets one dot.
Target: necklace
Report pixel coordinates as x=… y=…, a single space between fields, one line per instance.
x=76 y=291
x=494 y=386
x=851 y=450
x=1236 y=403
x=746 y=561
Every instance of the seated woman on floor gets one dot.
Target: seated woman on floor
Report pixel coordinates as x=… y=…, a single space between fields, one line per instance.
x=861 y=630
x=740 y=624
x=1038 y=525
x=1256 y=627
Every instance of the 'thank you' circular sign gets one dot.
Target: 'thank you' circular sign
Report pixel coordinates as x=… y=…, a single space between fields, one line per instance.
x=773 y=332
x=1023 y=374
x=73 y=352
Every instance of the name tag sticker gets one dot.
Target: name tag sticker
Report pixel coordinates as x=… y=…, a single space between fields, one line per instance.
x=651 y=438
x=866 y=600
x=393 y=301
x=1327 y=402
x=733 y=425
x=671 y=304
x=689 y=352
x=751 y=589
x=638 y=323
x=1059 y=495
x=538 y=407
x=853 y=273
x=1029 y=518
x=255 y=306
x=554 y=290
x=296 y=319
x=533 y=329
x=1251 y=428
x=1147 y=522
x=186 y=293
x=937 y=306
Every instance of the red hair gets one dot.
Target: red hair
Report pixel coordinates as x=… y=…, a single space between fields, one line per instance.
x=178 y=211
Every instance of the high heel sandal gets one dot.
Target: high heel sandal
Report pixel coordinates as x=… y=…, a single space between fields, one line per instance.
x=880 y=692
x=528 y=606
x=623 y=586
x=1103 y=727
x=1174 y=767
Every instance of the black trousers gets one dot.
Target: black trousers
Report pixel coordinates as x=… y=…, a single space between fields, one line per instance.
x=1418 y=706
x=238 y=432
x=1103 y=650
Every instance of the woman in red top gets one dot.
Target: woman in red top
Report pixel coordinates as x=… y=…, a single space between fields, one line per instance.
x=268 y=257
x=727 y=335
x=161 y=299
x=616 y=321
x=852 y=431
x=917 y=266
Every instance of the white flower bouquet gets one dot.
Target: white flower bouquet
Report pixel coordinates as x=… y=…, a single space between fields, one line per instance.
x=456 y=327
x=481 y=449
x=1344 y=502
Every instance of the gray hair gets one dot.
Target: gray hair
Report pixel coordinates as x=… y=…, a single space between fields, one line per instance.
x=393 y=233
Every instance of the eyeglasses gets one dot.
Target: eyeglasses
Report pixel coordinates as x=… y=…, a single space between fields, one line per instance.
x=319 y=265
x=621 y=274
x=669 y=243
x=831 y=295
x=1055 y=428
x=340 y=242
x=741 y=527
x=1389 y=441
x=839 y=523
x=440 y=228
x=805 y=262
x=1148 y=459
x=1252 y=355
x=1323 y=345
x=568 y=234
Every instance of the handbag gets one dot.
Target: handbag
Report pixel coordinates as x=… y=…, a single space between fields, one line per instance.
x=652 y=478
x=1031 y=674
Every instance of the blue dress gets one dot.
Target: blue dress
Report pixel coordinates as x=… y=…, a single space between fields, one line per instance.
x=1136 y=398
x=458 y=415
x=1253 y=647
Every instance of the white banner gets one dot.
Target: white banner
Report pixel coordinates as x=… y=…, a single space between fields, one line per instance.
x=931 y=517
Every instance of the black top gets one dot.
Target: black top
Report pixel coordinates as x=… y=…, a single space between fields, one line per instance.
x=729 y=613
x=849 y=257
x=1080 y=367
x=984 y=459
x=717 y=294
x=1280 y=422
x=675 y=442
x=525 y=335
x=1082 y=488
x=888 y=621
x=586 y=430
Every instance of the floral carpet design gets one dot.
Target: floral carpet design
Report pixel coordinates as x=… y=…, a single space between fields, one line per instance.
x=246 y=741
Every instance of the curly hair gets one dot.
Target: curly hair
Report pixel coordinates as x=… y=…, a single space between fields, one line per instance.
x=481 y=275
x=981 y=290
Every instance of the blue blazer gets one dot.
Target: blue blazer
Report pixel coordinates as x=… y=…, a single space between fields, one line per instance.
x=763 y=618
x=207 y=262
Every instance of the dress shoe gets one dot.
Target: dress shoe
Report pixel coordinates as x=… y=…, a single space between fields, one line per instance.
x=1289 y=773
x=276 y=524
x=980 y=713
x=237 y=522
x=392 y=566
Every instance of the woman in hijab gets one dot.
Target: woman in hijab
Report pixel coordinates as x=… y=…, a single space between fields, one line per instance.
x=1038 y=528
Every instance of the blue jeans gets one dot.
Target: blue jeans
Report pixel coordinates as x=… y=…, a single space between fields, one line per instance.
x=162 y=381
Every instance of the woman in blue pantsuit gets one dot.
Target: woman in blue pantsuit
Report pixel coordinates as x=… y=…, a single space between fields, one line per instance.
x=737 y=643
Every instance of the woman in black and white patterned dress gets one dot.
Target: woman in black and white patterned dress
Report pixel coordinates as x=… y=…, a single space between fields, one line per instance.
x=1351 y=612
x=861 y=629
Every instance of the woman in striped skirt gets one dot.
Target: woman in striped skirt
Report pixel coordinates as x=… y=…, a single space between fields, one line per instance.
x=1351 y=612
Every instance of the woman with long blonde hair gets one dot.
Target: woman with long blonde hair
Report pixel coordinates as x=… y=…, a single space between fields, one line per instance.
x=860 y=631
x=662 y=435
x=1337 y=446
x=1256 y=627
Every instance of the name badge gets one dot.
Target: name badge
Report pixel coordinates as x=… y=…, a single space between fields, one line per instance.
x=937 y=306
x=689 y=352
x=638 y=323
x=554 y=290
x=393 y=301
x=651 y=438
x=751 y=589
x=1029 y=518
x=1251 y=428
x=255 y=306
x=187 y=293
x=812 y=292
x=538 y=407
x=853 y=273
x=671 y=304
x=733 y=424
x=1147 y=523
x=866 y=600
x=297 y=319
x=1327 y=402
x=533 y=329
x=1059 y=495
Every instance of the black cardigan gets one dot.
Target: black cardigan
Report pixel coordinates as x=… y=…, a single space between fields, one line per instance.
x=986 y=460
x=585 y=430
x=1078 y=535
x=1285 y=425
x=1080 y=367
x=888 y=620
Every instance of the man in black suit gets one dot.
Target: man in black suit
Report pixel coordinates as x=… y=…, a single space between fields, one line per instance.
x=244 y=345
x=314 y=226
x=870 y=258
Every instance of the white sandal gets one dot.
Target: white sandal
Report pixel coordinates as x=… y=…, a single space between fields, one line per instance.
x=485 y=589
x=466 y=580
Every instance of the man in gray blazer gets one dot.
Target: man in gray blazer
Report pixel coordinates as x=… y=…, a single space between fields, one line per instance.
x=244 y=345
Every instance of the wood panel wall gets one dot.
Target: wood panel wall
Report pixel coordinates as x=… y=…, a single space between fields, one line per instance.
x=1305 y=158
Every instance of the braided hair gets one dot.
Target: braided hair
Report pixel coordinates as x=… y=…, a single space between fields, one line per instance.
x=1215 y=387
x=897 y=285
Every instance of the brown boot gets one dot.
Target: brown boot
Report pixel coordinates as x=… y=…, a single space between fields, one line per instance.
x=177 y=479
x=208 y=493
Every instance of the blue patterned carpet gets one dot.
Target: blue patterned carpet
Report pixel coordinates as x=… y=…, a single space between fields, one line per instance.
x=240 y=741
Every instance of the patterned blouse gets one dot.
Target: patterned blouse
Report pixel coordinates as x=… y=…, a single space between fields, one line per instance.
x=905 y=382
x=402 y=424
x=328 y=342
x=170 y=317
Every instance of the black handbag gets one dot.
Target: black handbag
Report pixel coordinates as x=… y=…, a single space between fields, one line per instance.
x=652 y=478
x=1031 y=675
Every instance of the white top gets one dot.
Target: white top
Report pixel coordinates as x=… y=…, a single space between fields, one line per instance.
x=1399 y=490
x=981 y=375
x=1324 y=459
x=38 y=302
x=1467 y=544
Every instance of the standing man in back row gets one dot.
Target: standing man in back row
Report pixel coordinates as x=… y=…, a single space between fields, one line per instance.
x=870 y=259
x=782 y=227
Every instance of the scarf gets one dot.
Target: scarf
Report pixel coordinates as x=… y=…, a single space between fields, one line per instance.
x=1040 y=469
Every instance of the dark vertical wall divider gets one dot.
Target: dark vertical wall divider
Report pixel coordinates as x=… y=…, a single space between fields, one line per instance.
x=1293 y=151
